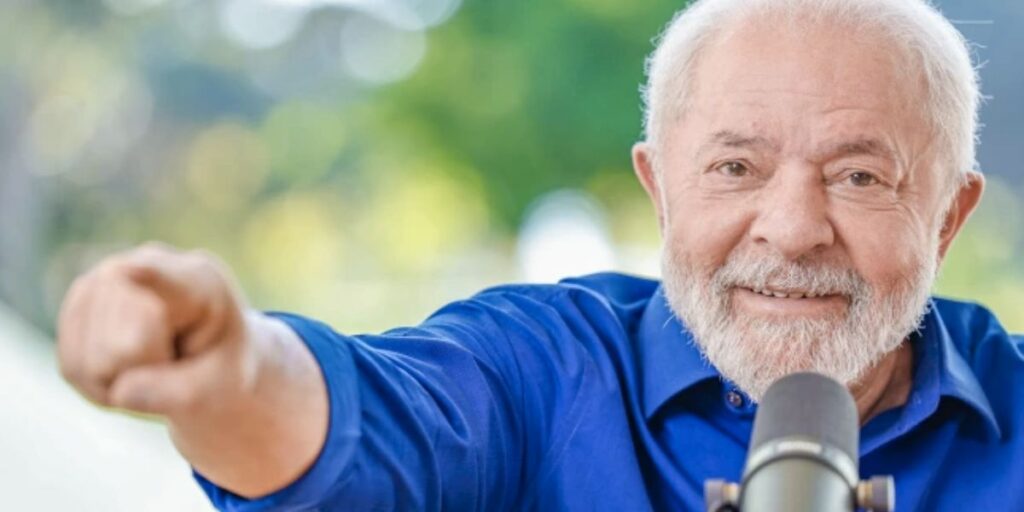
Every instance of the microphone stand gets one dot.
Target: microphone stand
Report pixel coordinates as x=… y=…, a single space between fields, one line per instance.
x=876 y=494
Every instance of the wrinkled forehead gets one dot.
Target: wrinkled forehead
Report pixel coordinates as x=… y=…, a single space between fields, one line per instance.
x=832 y=79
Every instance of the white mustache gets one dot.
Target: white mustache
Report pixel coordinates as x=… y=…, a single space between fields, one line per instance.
x=773 y=272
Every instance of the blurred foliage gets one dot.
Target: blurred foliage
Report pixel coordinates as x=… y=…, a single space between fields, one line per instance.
x=984 y=265
x=341 y=175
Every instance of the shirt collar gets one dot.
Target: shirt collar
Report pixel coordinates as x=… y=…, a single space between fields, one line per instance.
x=954 y=378
x=670 y=360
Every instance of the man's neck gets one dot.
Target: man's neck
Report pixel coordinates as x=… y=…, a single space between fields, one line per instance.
x=886 y=385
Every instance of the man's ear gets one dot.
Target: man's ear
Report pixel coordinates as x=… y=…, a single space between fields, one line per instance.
x=965 y=201
x=643 y=166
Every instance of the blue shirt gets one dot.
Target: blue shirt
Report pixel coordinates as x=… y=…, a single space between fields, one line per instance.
x=590 y=395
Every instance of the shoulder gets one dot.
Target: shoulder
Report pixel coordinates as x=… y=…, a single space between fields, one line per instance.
x=617 y=296
x=977 y=332
x=578 y=333
x=583 y=312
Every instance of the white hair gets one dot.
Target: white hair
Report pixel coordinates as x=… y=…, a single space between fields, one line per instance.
x=919 y=32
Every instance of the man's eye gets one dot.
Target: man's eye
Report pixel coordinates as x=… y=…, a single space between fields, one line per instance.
x=862 y=179
x=733 y=169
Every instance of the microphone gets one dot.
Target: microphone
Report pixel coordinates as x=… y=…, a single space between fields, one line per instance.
x=803 y=455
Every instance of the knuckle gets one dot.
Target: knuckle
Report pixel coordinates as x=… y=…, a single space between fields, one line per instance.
x=110 y=267
x=154 y=249
x=99 y=367
x=71 y=371
x=208 y=268
x=121 y=352
x=201 y=260
x=146 y=255
x=139 y=341
x=93 y=386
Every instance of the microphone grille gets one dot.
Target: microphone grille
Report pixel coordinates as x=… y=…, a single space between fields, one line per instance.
x=808 y=405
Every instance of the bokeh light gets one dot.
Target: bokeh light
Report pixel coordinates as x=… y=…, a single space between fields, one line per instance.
x=260 y=24
x=564 y=234
x=378 y=53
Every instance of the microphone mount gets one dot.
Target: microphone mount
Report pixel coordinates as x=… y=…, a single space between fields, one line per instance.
x=802 y=455
x=876 y=494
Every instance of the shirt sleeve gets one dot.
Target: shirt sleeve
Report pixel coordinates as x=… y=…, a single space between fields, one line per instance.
x=431 y=417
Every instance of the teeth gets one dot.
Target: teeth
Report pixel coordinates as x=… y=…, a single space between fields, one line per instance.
x=781 y=295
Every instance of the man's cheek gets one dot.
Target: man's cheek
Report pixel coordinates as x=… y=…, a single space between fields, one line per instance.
x=704 y=243
x=890 y=266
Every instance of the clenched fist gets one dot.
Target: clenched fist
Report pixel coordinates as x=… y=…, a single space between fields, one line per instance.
x=154 y=330
x=161 y=331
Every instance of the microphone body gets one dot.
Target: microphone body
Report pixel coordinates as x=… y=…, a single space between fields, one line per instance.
x=796 y=484
x=803 y=455
x=803 y=450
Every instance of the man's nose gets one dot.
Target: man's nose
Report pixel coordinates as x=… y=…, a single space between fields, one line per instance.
x=792 y=214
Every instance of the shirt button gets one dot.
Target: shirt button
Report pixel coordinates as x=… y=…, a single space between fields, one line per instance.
x=734 y=398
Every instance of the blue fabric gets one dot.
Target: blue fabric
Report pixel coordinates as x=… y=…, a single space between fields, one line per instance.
x=590 y=395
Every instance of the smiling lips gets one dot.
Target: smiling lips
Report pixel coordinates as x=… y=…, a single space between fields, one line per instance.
x=793 y=303
x=788 y=294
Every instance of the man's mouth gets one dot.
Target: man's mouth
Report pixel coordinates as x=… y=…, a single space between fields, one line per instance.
x=789 y=302
x=787 y=294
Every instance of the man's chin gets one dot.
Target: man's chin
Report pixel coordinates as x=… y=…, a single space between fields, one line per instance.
x=768 y=349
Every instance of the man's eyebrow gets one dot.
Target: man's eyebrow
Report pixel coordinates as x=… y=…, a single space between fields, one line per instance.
x=732 y=139
x=863 y=146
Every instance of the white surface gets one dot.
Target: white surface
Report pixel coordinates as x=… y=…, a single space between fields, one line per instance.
x=59 y=453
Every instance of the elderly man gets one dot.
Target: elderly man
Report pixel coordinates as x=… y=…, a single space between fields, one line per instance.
x=810 y=162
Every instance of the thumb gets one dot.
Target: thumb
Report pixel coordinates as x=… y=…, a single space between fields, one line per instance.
x=183 y=281
x=202 y=299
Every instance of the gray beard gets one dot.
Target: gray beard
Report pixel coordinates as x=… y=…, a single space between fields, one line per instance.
x=755 y=351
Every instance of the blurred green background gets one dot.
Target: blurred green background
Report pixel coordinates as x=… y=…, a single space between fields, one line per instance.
x=365 y=161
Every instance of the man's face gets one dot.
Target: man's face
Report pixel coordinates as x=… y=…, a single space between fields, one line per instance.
x=800 y=202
